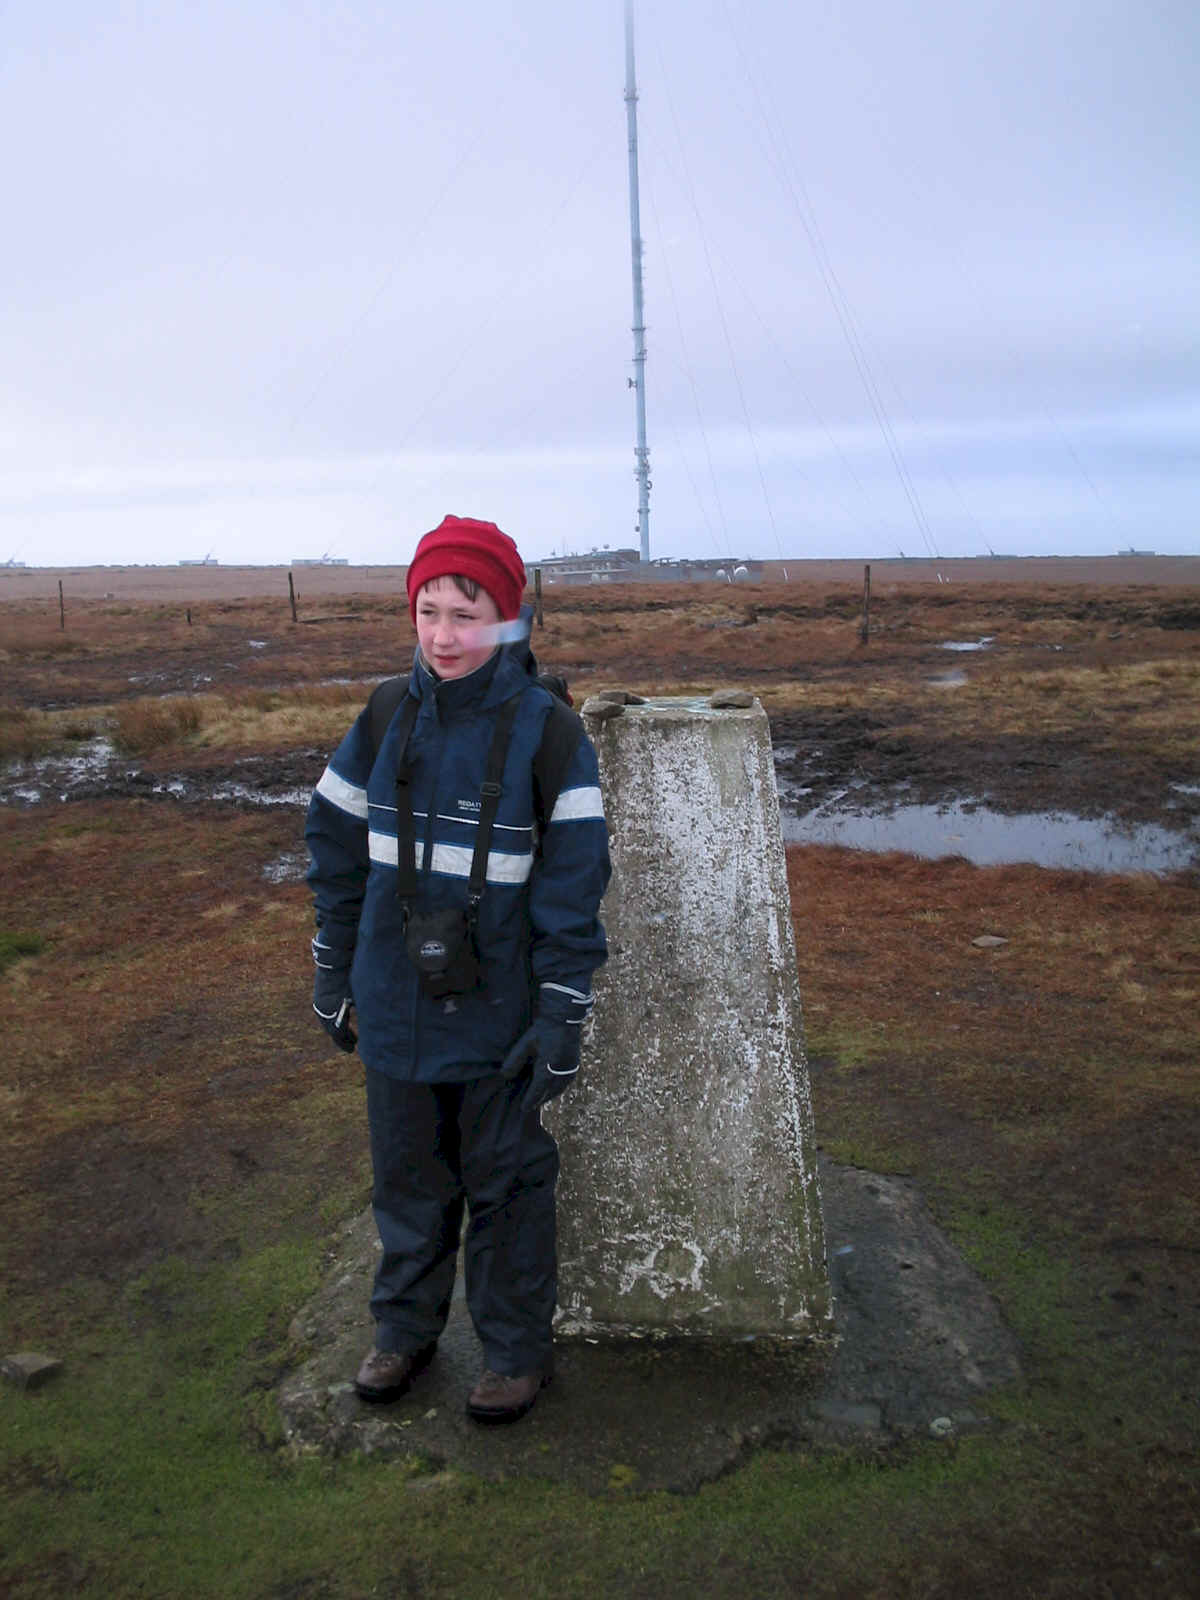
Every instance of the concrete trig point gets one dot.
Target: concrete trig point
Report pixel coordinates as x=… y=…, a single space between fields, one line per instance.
x=688 y=1201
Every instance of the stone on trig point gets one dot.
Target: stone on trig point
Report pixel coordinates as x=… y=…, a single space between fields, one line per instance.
x=688 y=1199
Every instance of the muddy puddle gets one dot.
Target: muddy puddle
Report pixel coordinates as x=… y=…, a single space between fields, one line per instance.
x=56 y=777
x=98 y=771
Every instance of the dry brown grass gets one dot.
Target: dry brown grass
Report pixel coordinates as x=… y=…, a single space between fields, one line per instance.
x=259 y=719
x=1077 y=1035
x=140 y=727
x=20 y=733
x=163 y=931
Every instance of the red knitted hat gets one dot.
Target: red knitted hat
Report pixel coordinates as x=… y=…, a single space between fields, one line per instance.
x=470 y=549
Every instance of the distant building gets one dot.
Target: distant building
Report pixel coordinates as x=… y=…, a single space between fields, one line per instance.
x=627 y=566
x=722 y=569
x=321 y=561
x=206 y=561
x=597 y=566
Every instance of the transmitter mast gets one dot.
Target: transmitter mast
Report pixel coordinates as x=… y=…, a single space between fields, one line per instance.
x=638 y=381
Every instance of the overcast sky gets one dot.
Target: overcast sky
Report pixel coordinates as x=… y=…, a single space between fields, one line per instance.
x=287 y=279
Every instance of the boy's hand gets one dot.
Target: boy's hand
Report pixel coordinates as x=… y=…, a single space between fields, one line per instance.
x=549 y=1052
x=332 y=1000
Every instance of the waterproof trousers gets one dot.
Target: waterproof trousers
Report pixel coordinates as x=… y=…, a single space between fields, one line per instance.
x=435 y=1149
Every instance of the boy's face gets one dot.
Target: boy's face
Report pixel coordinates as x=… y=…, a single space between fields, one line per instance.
x=455 y=633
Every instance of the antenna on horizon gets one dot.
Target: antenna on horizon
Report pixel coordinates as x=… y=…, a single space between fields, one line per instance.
x=638 y=382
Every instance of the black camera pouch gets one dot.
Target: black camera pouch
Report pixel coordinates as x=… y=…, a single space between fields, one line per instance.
x=441 y=946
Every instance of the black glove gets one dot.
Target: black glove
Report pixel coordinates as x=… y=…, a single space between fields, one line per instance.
x=549 y=1050
x=332 y=1000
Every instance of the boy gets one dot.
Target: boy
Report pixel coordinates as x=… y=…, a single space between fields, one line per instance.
x=469 y=989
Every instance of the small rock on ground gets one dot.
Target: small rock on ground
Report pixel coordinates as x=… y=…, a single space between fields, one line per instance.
x=29 y=1370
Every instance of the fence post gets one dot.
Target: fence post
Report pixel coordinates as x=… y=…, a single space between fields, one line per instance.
x=537 y=595
x=865 y=631
x=62 y=615
x=292 y=595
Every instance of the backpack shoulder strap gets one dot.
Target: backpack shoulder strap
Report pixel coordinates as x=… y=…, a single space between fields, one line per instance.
x=560 y=739
x=490 y=792
x=381 y=707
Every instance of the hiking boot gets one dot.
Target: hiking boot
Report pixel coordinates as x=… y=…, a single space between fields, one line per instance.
x=499 y=1397
x=386 y=1374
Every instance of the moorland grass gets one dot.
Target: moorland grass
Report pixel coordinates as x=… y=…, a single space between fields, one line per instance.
x=26 y=734
x=1097 y=666
x=18 y=738
x=147 y=724
x=180 y=1147
x=155 y=1465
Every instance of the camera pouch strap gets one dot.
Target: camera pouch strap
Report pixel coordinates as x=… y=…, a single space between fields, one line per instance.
x=406 y=845
x=490 y=791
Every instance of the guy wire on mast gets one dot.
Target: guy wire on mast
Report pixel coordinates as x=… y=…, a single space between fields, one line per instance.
x=638 y=381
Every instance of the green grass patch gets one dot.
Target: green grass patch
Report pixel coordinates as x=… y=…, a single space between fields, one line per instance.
x=16 y=945
x=870 y=1154
x=152 y=1435
x=155 y=1464
x=848 y=1043
x=1036 y=1287
x=161 y=1473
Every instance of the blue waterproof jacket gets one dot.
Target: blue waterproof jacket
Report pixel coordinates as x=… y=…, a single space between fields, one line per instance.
x=538 y=920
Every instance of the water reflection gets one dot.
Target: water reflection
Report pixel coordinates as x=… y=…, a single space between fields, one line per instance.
x=989 y=838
